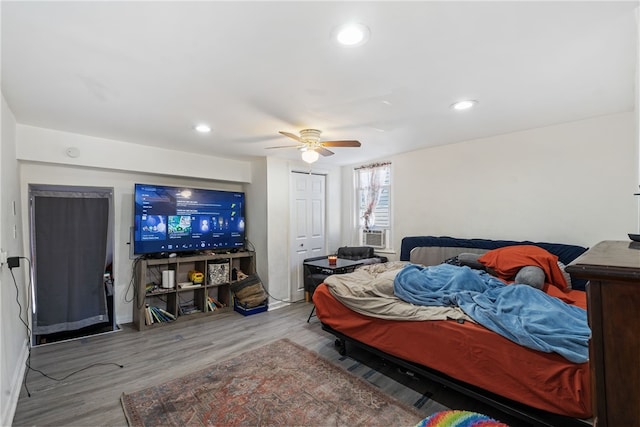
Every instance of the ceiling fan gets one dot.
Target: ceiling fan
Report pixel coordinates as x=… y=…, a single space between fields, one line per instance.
x=312 y=147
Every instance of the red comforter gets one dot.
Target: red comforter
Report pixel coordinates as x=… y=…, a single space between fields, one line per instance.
x=472 y=354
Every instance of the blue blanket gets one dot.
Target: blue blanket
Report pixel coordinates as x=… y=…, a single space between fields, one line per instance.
x=520 y=313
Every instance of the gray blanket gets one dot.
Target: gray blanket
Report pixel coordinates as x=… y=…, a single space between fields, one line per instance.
x=369 y=291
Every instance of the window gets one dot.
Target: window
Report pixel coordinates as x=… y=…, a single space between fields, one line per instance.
x=373 y=201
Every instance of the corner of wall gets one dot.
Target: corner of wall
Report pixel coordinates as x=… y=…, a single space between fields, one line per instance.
x=14 y=348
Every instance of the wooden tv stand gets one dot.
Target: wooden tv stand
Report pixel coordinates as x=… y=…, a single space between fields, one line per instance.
x=174 y=299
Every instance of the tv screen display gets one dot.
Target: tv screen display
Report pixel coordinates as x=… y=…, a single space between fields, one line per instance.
x=178 y=219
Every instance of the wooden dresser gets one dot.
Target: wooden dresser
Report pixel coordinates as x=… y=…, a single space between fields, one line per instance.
x=613 y=294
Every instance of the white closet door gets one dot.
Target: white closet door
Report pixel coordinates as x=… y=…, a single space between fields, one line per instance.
x=307 y=226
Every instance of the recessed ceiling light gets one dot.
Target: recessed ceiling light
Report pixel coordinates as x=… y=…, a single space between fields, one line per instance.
x=202 y=128
x=464 y=105
x=352 y=34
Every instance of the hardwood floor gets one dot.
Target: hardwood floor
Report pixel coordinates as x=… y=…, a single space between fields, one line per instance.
x=92 y=395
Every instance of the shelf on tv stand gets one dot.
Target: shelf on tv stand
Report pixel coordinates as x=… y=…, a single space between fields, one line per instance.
x=149 y=270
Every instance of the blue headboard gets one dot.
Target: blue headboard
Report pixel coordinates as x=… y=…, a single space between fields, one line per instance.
x=565 y=253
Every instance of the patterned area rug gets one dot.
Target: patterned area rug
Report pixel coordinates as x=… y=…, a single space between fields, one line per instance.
x=280 y=384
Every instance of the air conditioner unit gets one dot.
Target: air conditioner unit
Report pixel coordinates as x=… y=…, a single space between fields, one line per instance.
x=374 y=238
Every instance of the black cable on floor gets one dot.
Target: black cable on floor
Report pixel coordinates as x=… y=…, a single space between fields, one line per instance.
x=29 y=346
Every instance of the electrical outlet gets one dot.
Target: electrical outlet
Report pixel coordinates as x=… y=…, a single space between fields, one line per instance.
x=3 y=257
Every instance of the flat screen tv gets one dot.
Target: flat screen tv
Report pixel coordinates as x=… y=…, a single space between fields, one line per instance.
x=178 y=219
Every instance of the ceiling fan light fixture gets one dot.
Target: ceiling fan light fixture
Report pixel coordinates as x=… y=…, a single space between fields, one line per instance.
x=352 y=34
x=464 y=105
x=310 y=135
x=310 y=156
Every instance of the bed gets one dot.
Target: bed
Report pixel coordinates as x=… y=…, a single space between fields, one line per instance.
x=545 y=388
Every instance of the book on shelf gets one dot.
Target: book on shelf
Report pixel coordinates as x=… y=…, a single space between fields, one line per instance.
x=147 y=316
x=161 y=317
x=154 y=314
x=166 y=314
x=215 y=301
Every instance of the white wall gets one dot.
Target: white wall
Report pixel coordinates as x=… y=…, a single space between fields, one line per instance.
x=569 y=183
x=335 y=207
x=13 y=334
x=50 y=146
x=256 y=202
x=278 y=232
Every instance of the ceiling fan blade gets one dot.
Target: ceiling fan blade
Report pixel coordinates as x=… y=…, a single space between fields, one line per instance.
x=350 y=143
x=290 y=135
x=324 y=152
x=285 y=146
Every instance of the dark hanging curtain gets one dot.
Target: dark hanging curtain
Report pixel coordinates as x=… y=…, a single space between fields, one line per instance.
x=70 y=235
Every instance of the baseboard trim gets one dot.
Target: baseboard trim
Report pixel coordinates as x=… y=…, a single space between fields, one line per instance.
x=277 y=304
x=16 y=386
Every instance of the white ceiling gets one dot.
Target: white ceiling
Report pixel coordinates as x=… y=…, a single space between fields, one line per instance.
x=147 y=72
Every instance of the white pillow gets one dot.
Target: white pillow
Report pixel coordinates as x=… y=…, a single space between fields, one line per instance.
x=566 y=275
